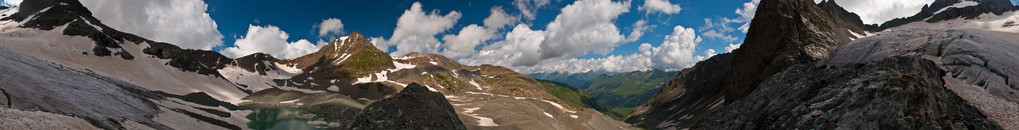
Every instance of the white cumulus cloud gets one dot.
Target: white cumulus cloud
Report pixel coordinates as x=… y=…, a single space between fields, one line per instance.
x=732 y=47
x=270 y=40
x=184 y=23
x=330 y=26
x=416 y=30
x=638 y=30
x=528 y=7
x=584 y=26
x=660 y=6
x=718 y=35
x=520 y=47
x=709 y=53
x=499 y=18
x=464 y=43
x=677 y=51
x=746 y=14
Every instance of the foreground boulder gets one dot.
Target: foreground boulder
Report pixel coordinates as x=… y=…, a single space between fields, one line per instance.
x=415 y=107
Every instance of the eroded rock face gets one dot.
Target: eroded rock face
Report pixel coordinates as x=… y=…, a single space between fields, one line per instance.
x=893 y=93
x=415 y=107
x=783 y=33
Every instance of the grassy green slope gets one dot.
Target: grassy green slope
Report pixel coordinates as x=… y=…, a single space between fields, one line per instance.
x=625 y=91
x=577 y=97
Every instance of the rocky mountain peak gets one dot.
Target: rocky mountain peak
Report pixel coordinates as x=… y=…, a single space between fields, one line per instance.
x=57 y=11
x=783 y=33
x=354 y=53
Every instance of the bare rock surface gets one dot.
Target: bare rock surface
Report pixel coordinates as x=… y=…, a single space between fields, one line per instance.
x=891 y=93
x=980 y=68
x=29 y=120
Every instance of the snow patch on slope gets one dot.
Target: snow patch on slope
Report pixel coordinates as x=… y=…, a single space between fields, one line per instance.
x=482 y=121
x=558 y=106
x=962 y=4
x=145 y=71
x=475 y=84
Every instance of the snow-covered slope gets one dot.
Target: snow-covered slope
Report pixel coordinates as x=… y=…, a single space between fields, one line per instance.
x=37 y=85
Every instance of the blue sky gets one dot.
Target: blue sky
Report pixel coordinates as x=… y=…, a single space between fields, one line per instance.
x=529 y=36
x=378 y=18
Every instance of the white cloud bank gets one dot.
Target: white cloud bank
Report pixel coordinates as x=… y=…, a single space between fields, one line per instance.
x=499 y=18
x=184 y=23
x=464 y=43
x=416 y=30
x=638 y=30
x=660 y=6
x=270 y=40
x=331 y=26
x=584 y=27
x=677 y=51
x=528 y=7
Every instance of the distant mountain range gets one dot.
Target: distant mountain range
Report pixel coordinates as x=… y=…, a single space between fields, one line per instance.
x=620 y=93
x=578 y=80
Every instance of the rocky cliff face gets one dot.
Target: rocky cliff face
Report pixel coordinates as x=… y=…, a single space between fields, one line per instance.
x=413 y=108
x=783 y=33
x=893 y=93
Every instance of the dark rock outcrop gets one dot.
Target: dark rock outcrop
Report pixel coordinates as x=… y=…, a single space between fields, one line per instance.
x=842 y=16
x=895 y=93
x=200 y=61
x=783 y=33
x=415 y=107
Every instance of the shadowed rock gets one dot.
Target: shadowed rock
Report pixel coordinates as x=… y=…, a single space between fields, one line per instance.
x=415 y=107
